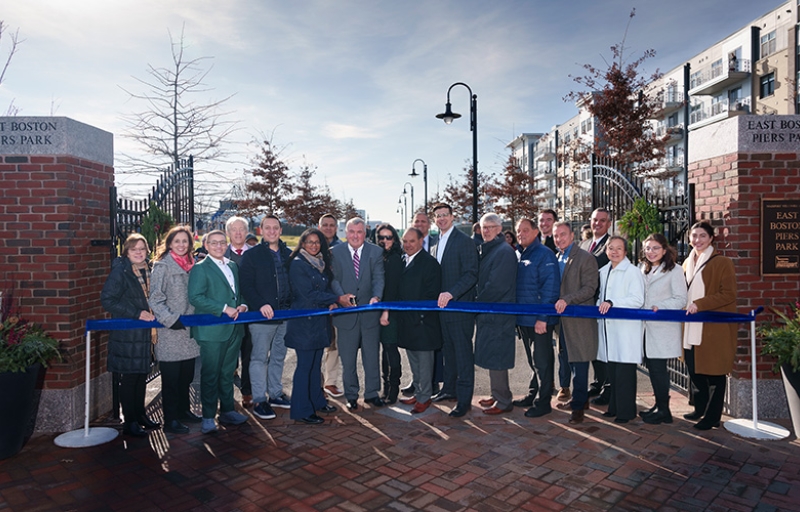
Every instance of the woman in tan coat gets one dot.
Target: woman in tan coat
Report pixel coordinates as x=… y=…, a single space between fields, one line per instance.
x=709 y=348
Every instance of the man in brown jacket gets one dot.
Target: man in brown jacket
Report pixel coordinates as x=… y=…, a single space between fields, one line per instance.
x=578 y=336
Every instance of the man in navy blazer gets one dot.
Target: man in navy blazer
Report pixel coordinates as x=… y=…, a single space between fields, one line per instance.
x=358 y=279
x=458 y=256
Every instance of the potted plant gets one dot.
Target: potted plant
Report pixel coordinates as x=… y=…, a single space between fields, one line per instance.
x=24 y=348
x=783 y=342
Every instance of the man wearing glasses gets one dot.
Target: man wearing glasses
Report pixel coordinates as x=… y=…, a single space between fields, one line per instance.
x=458 y=257
x=214 y=289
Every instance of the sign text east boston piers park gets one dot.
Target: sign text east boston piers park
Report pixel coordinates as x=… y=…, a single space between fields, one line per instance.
x=55 y=136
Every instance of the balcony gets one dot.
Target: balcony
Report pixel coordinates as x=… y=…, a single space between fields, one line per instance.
x=716 y=78
x=544 y=152
x=671 y=102
x=675 y=132
x=717 y=112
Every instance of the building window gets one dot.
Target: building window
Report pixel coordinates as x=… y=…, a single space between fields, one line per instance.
x=768 y=44
x=767 y=85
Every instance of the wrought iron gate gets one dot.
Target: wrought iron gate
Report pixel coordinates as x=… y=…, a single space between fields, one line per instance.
x=172 y=193
x=616 y=190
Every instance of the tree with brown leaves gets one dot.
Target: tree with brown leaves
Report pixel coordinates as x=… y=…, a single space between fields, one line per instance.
x=515 y=194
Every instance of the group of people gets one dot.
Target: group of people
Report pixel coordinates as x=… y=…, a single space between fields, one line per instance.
x=540 y=263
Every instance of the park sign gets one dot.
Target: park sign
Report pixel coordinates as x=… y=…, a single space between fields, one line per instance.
x=780 y=236
x=31 y=136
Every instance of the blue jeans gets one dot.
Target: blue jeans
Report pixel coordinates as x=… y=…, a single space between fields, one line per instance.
x=266 y=360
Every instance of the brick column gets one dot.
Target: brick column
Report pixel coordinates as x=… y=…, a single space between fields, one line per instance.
x=55 y=175
x=739 y=162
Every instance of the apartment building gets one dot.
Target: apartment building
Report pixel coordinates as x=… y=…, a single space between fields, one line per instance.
x=755 y=70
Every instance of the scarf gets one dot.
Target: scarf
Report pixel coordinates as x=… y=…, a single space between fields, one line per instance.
x=143 y=275
x=186 y=262
x=693 y=331
x=315 y=261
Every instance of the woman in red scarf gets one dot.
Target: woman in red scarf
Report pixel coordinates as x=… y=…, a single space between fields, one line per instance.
x=176 y=351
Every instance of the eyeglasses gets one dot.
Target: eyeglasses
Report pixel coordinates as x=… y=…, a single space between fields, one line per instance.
x=217 y=243
x=381 y=237
x=311 y=242
x=441 y=215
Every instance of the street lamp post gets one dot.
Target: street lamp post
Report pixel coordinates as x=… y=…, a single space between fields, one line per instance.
x=412 y=198
x=424 y=178
x=448 y=117
x=402 y=204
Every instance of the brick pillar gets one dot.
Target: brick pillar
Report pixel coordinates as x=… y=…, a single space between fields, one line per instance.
x=737 y=163
x=55 y=175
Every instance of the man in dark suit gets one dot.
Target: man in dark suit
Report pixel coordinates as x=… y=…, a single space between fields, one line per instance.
x=419 y=332
x=578 y=336
x=358 y=279
x=214 y=289
x=547 y=219
x=237 y=230
x=458 y=256
x=601 y=222
x=423 y=223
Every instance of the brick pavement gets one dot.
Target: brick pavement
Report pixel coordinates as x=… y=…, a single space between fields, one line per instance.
x=385 y=459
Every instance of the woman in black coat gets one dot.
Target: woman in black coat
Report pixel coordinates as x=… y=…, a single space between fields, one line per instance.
x=310 y=277
x=124 y=295
x=393 y=271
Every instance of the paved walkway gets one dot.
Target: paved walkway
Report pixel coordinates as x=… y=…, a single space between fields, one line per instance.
x=385 y=459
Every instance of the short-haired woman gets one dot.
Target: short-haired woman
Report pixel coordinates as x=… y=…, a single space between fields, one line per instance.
x=124 y=295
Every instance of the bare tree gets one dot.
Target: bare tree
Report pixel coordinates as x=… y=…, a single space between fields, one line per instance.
x=173 y=124
x=12 y=110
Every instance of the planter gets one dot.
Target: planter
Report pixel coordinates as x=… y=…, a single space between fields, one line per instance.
x=16 y=406
x=791 y=382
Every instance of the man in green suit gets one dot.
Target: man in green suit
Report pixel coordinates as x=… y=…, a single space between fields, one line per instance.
x=214 y=289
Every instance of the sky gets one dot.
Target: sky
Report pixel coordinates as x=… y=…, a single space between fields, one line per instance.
x=350 y=87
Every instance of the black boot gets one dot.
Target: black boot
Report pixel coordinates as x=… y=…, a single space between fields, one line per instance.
x=133 y=429
x=391 y=396
x=716 y=403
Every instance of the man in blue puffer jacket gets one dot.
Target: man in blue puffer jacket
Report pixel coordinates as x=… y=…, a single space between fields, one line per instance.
x=538 y=282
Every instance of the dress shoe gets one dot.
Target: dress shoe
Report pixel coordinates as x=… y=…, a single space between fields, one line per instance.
x=247 y=400
x=564 y=395
x=190 y=417
x=696 y=415
x=148 y=423
x=609 y=414
x=527 y=401
x=496 y=410
x=444 y=397
x=601 y=400
x=621 y=421
x=706 y=424
x=333 y=391
x=408 y=401
x=133 y=429
x=420 y=407
x=328 y=409
x=595 y=390
x=408 y=390
x=459 y=411
x=487 y=402
x=568 y=406
x=176 y=427
x=312 y=420
x=658 y=417
x=391 y=397
x=375 y=401
x=352 y=405
x=576 y=417
x=538 y=411
x=648 y=412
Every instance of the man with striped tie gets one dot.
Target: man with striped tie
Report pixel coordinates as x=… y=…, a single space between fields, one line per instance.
x=358 y=279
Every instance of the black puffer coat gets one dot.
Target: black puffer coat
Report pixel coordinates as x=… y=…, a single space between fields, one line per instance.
x=129 y=351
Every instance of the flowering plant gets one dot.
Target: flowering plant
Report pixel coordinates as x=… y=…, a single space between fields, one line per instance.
x=23 y=343
x=783 y=342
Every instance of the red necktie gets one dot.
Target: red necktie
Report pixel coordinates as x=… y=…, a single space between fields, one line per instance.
x=239 y=252
x=591 y=249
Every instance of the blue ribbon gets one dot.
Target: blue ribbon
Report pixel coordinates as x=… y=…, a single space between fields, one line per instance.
x=662 y=315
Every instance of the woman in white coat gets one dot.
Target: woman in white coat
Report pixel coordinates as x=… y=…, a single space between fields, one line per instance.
x=665 y=288
x=622 y=286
